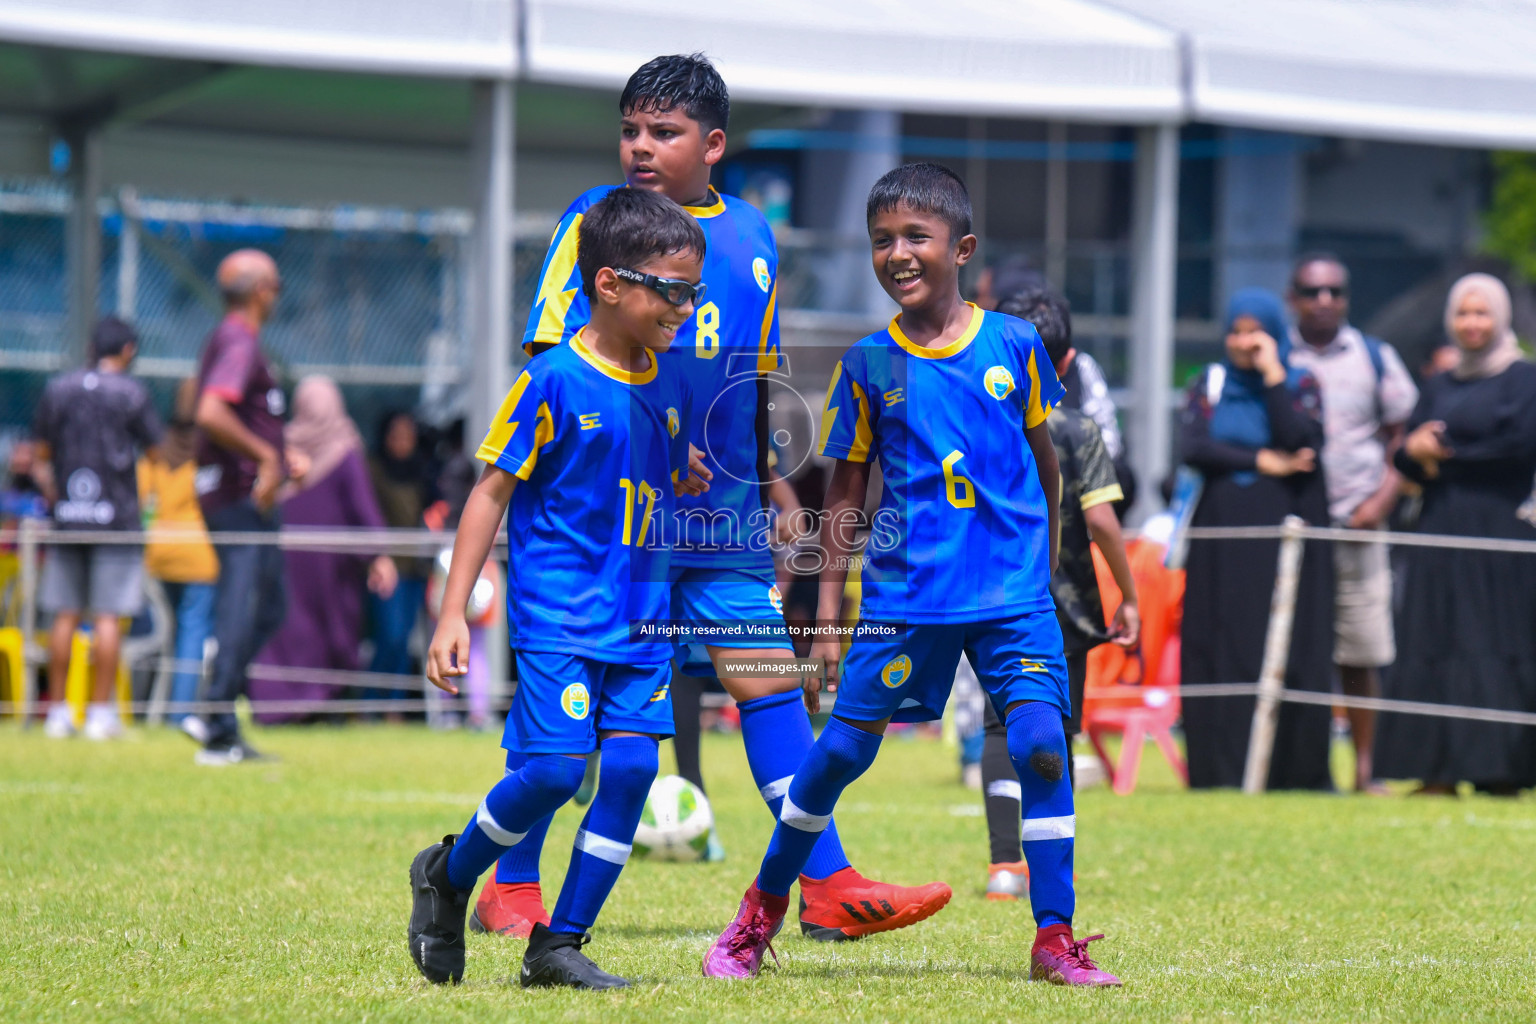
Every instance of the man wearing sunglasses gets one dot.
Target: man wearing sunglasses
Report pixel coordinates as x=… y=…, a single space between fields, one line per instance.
x=1367 y=396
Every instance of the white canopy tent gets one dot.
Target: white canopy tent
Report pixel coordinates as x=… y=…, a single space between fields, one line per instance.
x=1451 y=72
x=1456 y=72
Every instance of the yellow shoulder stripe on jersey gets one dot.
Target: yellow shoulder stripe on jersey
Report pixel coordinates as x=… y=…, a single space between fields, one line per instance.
x=829 y=411
x=607 y=369
x=543 y=433
x=863 y=436
x=768 y=358
x=554 y=299
x=1102 y=495
x=503 y=426
x=708 y=210
x=1035 y=412
x=954 y=347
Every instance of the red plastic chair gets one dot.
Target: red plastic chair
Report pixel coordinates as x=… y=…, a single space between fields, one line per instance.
x=1137 y=712
x=1126 y=695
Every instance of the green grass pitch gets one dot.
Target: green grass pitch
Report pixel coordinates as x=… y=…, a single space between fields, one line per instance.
x=139 y=887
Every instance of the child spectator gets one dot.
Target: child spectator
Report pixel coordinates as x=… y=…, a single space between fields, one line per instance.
x=178 y=553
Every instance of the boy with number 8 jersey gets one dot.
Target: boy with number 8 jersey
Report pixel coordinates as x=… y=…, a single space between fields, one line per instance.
x=962 y=564
x=589 y=448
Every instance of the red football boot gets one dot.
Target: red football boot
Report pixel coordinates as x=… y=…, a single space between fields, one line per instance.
x=846 y=905
x=509 y=909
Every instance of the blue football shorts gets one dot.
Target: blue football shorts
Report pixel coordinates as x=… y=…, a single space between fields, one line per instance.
x=736 y=608
x=905 y=672
x=563 y=700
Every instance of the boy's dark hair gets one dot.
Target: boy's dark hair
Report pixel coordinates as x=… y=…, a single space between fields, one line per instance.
x=1049 y=312
x=1317 y=256
x=629 y=226
x=927 y=188
x=110 y=336
x=688 y=81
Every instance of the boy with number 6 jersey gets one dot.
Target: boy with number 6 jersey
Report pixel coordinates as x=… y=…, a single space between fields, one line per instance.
x=941 y=399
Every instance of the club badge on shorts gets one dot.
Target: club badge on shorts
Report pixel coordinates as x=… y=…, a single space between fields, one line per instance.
x=897 y=671
x=576 y=701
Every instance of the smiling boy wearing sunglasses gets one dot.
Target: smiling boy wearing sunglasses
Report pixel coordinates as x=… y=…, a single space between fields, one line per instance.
x=588 y=449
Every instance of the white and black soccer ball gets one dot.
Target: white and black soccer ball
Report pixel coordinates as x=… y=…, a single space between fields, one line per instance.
x=676 y=822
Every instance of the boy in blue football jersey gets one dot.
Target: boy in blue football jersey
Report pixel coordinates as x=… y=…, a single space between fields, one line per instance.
x=959 y=559
x=588 y=448
x=673 y=115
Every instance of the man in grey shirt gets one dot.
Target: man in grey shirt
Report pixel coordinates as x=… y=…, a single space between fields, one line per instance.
x=93 y=423
x=1367 y=397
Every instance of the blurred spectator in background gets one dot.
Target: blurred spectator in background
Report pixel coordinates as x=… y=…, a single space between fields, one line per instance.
x=1367 y=396
x=1466 y=618
x=240 y=467
x=456 y=478
x=22 y=496
x=325 y=589
x=1252 y=427
x=91 y=424
x=178 y=553
x=1089 y=490
x=1087 y=387
x=399 y=475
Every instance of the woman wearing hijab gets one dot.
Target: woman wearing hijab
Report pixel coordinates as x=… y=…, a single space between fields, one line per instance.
x=325 y=590
x=1466 y=620
x=399 y=474
x=1252 y=427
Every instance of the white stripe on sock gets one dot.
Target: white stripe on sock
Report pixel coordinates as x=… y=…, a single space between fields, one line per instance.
x=1064 y=827
x=493 y=829
x=805 y=821
x=776 y=788
x=1009 y=788
x=601 y=848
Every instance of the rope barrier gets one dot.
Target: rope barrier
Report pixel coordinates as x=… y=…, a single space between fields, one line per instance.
x=1412 y=540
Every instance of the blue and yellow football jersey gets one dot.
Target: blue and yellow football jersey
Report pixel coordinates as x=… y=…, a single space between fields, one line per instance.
x=597 y=449
x=732 y=338
x=961 y=532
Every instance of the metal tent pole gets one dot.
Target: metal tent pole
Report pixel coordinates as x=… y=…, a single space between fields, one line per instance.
x=1151 y=341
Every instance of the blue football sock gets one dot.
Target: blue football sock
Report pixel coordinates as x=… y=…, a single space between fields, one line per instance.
x=1037 y=745
x=521 y=862
x=777 y=733
x=509 y=810
x=607 y=832
x=840 y=755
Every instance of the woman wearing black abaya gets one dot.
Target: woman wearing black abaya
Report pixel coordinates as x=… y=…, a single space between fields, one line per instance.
x=1253 y=432
x=1467 y=626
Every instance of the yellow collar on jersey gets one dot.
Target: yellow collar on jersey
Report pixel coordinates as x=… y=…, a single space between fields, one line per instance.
x=606 y=368
x=714 y=209
x=954 y=347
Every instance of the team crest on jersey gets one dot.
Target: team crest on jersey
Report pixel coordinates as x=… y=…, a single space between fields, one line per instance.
x=897 y=671
x=760 y=273
x=776 y=599
x=999 y=382
x=576 y=701
x=674 y=421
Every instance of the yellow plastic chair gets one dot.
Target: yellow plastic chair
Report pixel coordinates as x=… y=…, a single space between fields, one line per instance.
x=77 y=682
x=13 y=658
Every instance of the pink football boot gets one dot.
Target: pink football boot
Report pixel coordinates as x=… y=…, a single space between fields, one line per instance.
x=1062 y=960
x=738 y=952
